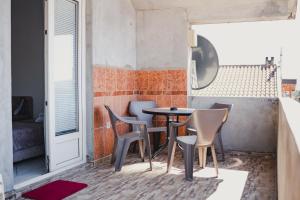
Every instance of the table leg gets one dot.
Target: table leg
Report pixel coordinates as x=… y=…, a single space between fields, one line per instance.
x=168 y=128
x=163 y=146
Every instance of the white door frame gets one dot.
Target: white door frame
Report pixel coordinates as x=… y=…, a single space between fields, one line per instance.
x=57 y=142
x=82 y=41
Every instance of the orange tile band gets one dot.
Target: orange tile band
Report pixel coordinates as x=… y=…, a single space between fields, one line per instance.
x=121 y=93
x=116 y=87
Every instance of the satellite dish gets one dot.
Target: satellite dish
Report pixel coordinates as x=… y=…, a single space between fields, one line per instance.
x=206 y=64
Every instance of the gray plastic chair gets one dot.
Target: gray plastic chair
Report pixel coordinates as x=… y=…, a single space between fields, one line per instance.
x=206 y=123
x=222 y=106
x=136 y=109
x=122 y=142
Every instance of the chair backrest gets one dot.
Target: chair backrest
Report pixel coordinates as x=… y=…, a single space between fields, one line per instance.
x=222 y=106
x=136 y=109
x=113 y=120
x=207 y=123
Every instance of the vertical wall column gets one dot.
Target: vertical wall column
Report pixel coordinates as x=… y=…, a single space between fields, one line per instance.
x=6 y=153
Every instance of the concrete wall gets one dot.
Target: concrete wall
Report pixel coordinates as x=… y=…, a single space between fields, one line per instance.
x=89 y=81
x=288 y=150
x=6 y=155
x=224 y=11
x=111 y=43
x=252 y=123
x=113 y=33
x=28 y=51
x=162 y=39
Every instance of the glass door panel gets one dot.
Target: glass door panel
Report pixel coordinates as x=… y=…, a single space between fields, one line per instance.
x=66 y=67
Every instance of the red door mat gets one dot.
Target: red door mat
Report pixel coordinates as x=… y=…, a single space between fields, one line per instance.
x=56 y=190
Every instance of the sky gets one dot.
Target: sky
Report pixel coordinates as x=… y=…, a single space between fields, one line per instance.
x=251 y=42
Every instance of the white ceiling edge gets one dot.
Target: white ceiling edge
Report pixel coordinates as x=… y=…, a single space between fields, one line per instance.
x=224 y=11
x=239 y=20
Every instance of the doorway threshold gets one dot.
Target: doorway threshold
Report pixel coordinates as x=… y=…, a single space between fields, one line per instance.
x=29 y=182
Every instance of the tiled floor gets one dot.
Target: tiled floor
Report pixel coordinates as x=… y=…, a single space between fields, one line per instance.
x=242 y=176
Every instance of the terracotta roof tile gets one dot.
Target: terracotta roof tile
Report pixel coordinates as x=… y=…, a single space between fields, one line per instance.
x=242 y=81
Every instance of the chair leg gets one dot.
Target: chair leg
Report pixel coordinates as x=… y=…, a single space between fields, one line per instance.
x=141 y=149
x=118 y=153
x=113 y=156
x=171 y=157
x=200 y=155
x=221 y=145
x=188 y=152
x=204 y=157
x=213 y=152
x=148 y=147
x=122 y=155
x=171 y=148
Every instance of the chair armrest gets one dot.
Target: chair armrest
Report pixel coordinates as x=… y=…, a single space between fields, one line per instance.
x=133 y=122
x=129 y=118
x=178 y=124
x=157 y=129
x=191 y=131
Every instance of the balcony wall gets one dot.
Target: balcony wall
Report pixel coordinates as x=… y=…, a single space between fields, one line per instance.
x=252 y=122
x=111 y=54
x=162 y=39
x=116 y=87
x=135 y=56
x=288 y=150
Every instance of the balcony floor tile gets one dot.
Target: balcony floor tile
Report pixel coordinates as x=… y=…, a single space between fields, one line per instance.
x=241 y=176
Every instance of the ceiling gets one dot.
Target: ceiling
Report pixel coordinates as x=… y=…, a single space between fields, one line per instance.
x=222 y=11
